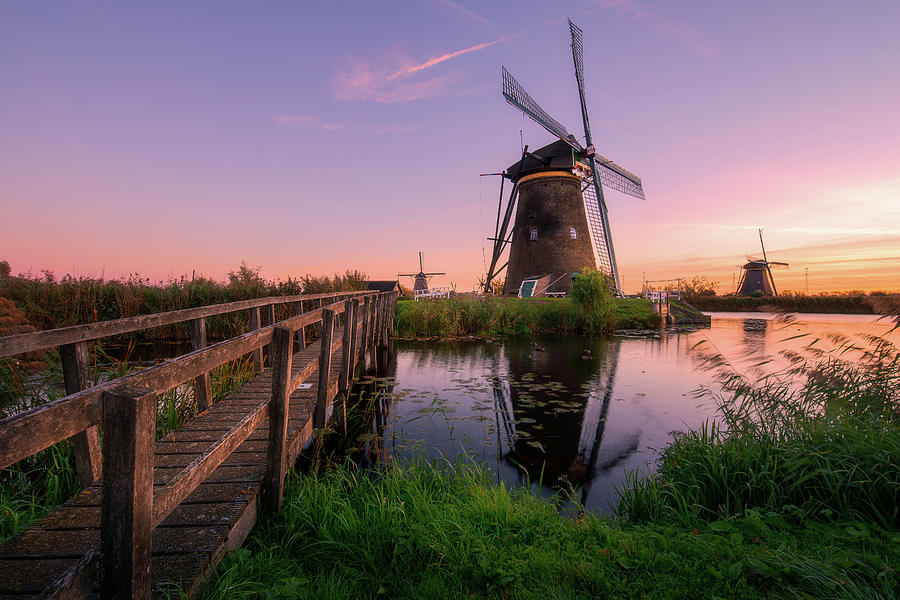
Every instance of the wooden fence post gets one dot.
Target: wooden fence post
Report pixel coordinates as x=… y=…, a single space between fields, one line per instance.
x=279 y=406
x=129 y=417
x=364 y=338
x=301 y=333
x=202 y=390
x=324 y=368
x=269 y=319
x=346 y=360
x=373 y=360
x=354 y=343
x=86 y=444
x=319 y=324
x=256 y=354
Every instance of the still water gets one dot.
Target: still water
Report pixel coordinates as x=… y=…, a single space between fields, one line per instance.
x=577 y=412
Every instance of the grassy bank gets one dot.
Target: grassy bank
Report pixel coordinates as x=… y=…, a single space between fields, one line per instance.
x=465 y=316
x=852 y=303
x=791 y=494
x=419 y=532
x=48 y=302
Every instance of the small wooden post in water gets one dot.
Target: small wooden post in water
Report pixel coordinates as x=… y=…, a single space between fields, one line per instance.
x=324 y=368
x=202 y=390
x=129 y=416
x=86 y=444
x=273 y=480
x=256 y=354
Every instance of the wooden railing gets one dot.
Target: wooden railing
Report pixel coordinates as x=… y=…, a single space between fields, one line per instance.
x=64 y=418
x=126 y=407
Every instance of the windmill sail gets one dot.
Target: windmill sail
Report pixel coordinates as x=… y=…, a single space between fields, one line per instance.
x=516 y=95
x=614 y=176
x=595 y=226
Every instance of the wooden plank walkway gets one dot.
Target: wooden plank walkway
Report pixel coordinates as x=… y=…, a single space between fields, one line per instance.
x=215 y=518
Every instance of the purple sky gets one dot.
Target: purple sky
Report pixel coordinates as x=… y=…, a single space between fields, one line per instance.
x=172 y=137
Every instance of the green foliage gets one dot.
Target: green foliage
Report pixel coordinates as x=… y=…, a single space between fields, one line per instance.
x=49 y=303
x=846 y=303
x=418 y=530
x=593 y=296
x=479 y=316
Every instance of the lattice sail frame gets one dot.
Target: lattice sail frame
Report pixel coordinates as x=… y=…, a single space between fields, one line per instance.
x=599 y=235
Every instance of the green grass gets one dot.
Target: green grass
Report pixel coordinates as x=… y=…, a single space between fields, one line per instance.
x=417 y=531
x=846 y=303
x=465 y=316
x=49 y=302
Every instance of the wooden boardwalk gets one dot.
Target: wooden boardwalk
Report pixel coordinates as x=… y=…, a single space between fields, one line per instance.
x=62 y=555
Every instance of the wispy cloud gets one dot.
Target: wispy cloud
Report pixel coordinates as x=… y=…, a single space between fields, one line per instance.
x=460 y=10
x=316 y=122
x=684 y=33
x=393 y=78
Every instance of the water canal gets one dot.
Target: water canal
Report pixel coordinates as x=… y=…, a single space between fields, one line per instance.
x=572 y=411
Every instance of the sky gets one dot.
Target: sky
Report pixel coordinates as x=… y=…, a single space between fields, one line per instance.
x=170 y=138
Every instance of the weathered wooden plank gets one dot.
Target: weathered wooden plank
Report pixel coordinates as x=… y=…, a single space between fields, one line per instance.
x=86 y=444
x=11 y=345
x=129 y=415
x=324 y=368
x=350 y=357
x=202 y=390
x=166 y=499
x=273 y=480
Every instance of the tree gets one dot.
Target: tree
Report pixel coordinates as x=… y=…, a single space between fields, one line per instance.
x=698 y=286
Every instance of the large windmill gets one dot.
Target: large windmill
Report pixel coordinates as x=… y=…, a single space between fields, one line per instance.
x=756 y=275
x=559 y=191
x=421 y=278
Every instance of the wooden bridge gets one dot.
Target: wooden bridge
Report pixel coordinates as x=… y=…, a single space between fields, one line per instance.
x=164 y=512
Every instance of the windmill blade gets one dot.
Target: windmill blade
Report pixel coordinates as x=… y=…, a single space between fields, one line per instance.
x=617 y=178
x=516 y=95
x=599 y=233
x=778 y=264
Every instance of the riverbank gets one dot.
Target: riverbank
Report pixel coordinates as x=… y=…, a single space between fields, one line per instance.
x=467 y=316
x=851 y=304
x=792 y=493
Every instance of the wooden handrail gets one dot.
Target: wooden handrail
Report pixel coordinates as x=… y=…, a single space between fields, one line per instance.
x=28 y=432
x=21 y=343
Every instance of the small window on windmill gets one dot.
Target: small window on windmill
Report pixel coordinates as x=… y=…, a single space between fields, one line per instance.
x=526 y=290
x=533 y=234
x=572 y=233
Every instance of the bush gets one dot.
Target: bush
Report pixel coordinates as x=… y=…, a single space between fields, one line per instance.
x=592 y=294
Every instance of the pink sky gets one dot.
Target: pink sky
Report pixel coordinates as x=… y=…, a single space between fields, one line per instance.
x=163 y=140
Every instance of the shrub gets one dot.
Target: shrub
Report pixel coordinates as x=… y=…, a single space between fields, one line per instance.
x=592 y=294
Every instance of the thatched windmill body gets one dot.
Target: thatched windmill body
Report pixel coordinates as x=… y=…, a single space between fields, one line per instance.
x=561 y=221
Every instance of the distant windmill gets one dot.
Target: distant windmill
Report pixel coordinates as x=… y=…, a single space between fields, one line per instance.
x=421 y=278
x=756 y=275
x=561 y=223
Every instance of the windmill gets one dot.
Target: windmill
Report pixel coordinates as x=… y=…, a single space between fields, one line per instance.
x=557 y=188
x=756 y=275
x=421 y=278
